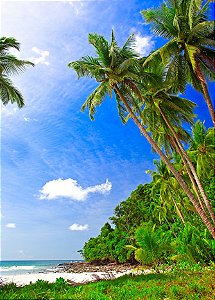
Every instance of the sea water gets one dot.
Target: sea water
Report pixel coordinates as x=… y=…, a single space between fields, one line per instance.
x=18 y=267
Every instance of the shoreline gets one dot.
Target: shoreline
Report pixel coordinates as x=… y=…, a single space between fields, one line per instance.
x=76 y=273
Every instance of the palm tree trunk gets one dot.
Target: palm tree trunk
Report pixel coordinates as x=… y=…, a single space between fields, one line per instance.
x=192 y=168
x=178 y=211
x=168 y=163
x=207 y=97
x=208 y=100
x=175 y=145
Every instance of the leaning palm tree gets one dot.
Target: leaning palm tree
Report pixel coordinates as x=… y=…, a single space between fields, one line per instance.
x=10 y=65
x=118 y=70
x=169 y=191
x=189 y=53
x=163 y=114
x=202 y=149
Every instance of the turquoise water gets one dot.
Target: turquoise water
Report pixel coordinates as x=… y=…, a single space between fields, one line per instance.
x=16 y=267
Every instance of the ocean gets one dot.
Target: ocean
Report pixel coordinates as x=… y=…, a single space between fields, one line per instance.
x=18 y=267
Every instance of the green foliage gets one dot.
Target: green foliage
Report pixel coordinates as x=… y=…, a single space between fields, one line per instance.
x=146 y=89
x=111 y=243
x=186 y=282
x=10 y=65
x=148 y=226
x=202 y=149
x=193 y=245
x=99 y=248
x=154 y=244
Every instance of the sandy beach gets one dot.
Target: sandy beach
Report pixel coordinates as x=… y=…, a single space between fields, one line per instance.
x=72 y=277
x=75 y=273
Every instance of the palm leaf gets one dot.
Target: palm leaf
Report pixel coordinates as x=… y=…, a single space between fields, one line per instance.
x=127 y=50
x=95 y=99
x=101 y=46
x=9 y=93
x=10 y=65
x=8 y=42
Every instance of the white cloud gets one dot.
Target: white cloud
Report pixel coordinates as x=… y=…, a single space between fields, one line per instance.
x=11 y=225
x=70 y=188
x=41 y=59
x=143 y=44
x=77 y=227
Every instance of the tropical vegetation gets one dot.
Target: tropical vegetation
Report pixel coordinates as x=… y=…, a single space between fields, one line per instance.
x=189 y=52
x=181 y=283
x=168 y=223
x=157 y=112
x=157 y=224
x=147 y=90
x=10 y=65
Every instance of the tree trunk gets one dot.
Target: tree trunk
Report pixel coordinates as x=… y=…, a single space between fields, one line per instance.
x=192 y=168
x=189 y=174
x=208 y=101
x=168 y=163
x=178 y=211
x=205 y=92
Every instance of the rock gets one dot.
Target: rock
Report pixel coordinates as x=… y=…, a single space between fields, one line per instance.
x=83 y=267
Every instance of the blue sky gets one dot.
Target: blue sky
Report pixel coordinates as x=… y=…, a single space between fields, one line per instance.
x=62 y=174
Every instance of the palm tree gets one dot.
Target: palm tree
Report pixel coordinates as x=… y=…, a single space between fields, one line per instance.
x=117 y=70
x=163 y=114
x=189 y=54
x=10 y=65
x=167 y=186
x=202 y=148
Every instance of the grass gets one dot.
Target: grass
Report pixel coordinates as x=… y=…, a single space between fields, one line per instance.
x=180 y=284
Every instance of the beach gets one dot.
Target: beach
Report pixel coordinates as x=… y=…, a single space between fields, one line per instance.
x=74 y=273
x=51 y=277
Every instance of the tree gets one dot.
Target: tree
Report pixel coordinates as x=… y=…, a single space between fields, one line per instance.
x=202 y=149
x=118 y=70
x=189 y=54
x=169 y=191
x=10 y=65
x=154 y=244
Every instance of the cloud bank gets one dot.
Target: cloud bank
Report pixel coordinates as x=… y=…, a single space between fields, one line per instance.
x=70 y=188
x=77 y=227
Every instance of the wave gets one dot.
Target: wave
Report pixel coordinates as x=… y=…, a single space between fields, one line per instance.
x=14 y=268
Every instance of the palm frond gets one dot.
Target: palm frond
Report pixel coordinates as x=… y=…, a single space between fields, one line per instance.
x=162 y=20
x=113 y=50
x=176 y=74
x=9 y=93
x=101 y=46
x=10 y=65
x=165 y=52
x=122 y=111
x=191 y=53
x=201 y=30
x=8 y=42
x=127 y=50
x=95 y=99
x=88 y=66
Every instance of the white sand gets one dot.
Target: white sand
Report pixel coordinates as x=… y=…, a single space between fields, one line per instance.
x=51 y=277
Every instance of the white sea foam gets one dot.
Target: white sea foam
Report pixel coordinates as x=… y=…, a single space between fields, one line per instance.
x=14 y=268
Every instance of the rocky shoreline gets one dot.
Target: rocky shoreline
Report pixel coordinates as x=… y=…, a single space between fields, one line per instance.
x=85 y=267
x=75 y=273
